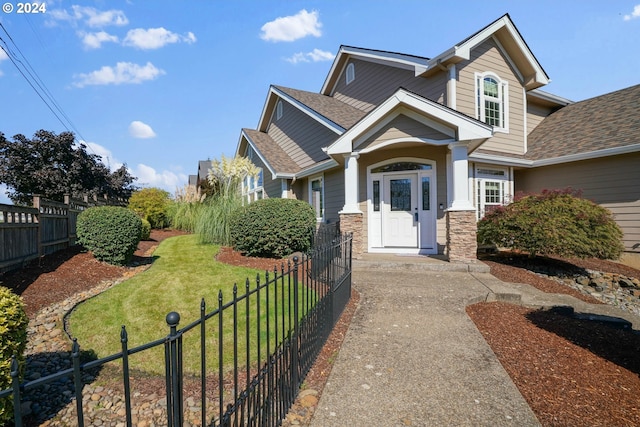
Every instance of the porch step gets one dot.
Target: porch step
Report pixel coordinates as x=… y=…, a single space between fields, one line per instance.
x=394 y=262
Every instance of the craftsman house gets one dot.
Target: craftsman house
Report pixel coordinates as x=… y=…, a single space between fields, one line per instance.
x=408 y=152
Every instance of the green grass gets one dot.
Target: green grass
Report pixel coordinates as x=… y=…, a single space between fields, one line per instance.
x=184 y=272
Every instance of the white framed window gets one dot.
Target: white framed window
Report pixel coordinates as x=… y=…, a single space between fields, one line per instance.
x=492 y=101
x=279 y=110
x=351 y=73
x=252 y=188
x=316 y=196
x=492 y=189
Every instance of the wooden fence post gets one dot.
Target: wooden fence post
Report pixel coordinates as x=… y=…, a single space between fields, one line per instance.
x=36 y=204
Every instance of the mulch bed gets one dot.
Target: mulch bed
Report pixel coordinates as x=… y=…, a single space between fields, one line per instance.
x=572 y=372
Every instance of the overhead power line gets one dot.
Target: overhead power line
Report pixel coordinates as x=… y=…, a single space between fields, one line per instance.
x=37 y=84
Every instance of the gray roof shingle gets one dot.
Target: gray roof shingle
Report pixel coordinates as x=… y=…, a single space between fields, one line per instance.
x=344 y=115
x=607 y=121
x=277 y=158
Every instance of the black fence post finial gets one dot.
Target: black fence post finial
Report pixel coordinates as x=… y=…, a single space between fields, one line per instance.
x=173 y=371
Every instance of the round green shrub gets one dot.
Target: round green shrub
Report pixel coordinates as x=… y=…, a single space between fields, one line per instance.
x=13 y=341
x=273 y=228
x=152 y=204
x=555 y=222
x=145 y=232
x=111 y=233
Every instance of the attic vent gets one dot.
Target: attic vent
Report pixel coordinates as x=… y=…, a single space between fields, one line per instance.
x=351 y=72
x=279 y=110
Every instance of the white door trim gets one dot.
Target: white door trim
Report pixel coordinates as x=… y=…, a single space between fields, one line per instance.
x=426 y=232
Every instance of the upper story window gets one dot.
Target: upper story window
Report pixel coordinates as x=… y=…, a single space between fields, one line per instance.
x=492 y=101
x=279 y=110
x=351 y=72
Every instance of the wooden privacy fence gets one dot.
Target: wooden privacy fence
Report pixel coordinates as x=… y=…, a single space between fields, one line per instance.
x=27 y=233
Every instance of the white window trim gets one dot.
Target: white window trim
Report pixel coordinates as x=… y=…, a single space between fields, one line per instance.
x=484 y=174
x=350 y=73
x=251 y=191
x=503 y=93
x=279 y=110
x=311 y=179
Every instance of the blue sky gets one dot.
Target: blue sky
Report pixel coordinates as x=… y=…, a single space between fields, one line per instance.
x=159 y=85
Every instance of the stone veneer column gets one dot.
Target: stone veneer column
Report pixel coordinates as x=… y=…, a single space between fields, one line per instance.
x=351 y=222
x=462 y=244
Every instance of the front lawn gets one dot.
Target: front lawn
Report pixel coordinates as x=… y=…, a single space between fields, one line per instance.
x=184 y=272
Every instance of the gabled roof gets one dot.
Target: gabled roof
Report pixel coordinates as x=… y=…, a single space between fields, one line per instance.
x=502 y=30
x=274 y=157
x=336 y=111
x=396 y=59
x=464 y=128
x=508 y=36
x=604 y=125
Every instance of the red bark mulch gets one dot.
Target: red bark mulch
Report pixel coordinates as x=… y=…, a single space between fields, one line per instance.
x=572 y=372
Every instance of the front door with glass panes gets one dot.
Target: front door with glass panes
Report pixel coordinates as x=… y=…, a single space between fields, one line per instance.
x=402 y=210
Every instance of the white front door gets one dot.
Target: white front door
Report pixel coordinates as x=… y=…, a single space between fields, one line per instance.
x=400 y=211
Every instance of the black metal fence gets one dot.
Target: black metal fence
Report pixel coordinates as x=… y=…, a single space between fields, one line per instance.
x=278 y=329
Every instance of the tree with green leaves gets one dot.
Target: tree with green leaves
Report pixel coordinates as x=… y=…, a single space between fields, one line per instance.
x=53 y=165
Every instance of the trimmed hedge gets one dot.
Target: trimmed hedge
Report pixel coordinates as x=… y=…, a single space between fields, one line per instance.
x=111 y=233
x=555 y=222
x=273 y=228
x=13 y=341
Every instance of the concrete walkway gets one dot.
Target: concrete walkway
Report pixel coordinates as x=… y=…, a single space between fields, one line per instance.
x=412 y=357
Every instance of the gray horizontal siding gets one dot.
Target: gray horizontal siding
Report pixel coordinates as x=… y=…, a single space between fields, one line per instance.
x=376 y=82
x=300 y=136
x=610 y=181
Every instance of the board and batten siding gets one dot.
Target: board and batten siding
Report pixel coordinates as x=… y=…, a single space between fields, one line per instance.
x=376 y=82
x=300 y=136
x=487 y=57
x=609 y=181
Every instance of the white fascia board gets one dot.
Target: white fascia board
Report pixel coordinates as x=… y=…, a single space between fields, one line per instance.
x=463 y=51
x=546 y=96
x=467 y=128
x=404 y=61
x=507 y=161
x=588 y=155
x=264 y=109
x=255 y=150
x=308 y=111
x=317 y=168
x=499 y=160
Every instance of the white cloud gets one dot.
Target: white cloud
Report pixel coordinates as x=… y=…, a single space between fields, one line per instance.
x=104 y=153
x=167 y=180
x=95 y=40
x=155 y=38
x=635 y=14
x=90 y=16
x=122 y=73
x=316 y=55
x=290 y=28
x=140 y=130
